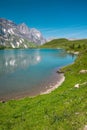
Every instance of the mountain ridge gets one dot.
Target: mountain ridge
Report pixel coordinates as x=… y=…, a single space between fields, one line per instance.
x=15 y=36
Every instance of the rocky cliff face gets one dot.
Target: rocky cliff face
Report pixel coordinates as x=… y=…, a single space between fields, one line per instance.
x=15 y=36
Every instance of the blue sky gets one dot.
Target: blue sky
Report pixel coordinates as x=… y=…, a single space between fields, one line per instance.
x=54 y=18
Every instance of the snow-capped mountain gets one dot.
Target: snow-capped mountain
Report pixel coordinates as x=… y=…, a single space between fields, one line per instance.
x=13 y=35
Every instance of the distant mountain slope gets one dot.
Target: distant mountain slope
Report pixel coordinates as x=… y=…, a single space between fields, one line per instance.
x=15 y=36
x=65 y=43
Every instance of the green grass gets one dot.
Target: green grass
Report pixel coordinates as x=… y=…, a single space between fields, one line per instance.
x=2 y=47
x=66 y=44
x=63 y=109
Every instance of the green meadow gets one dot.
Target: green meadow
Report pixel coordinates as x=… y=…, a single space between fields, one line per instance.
x=63 y=109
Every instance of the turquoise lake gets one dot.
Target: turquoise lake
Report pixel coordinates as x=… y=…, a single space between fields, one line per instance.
x=28 y=72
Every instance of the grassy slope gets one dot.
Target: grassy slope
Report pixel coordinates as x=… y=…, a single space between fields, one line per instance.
x=67 y=44
x=63 y=109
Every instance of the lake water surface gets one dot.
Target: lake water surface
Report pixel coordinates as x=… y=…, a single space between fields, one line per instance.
x=30 y=71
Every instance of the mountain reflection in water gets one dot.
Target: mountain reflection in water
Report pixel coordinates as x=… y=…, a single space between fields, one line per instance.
x=30 y=71
x=13 y=61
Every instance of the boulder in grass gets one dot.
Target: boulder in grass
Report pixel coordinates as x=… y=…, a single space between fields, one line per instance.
x=83 y=71
x=3 y=101
x=85 y=128
x=76 y=53
x=77 y=86
x=59 y=71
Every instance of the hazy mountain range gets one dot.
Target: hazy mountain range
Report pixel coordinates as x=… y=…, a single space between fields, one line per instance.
x=15 y=36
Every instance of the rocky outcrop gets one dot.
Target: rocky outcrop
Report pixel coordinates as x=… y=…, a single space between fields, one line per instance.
x=73 y=52
x=13 y=35
x=79 y=85
x=83 y=71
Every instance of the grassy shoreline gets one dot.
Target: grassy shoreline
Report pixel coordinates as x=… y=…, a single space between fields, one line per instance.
x=63 y=109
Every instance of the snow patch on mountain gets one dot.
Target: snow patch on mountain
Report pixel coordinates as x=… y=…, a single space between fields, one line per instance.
x=15 y=35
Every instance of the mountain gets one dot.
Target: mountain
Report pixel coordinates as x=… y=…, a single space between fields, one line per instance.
x=15 y=36
x=76 y=45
